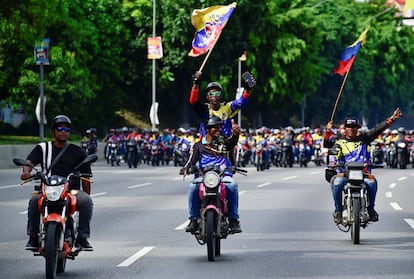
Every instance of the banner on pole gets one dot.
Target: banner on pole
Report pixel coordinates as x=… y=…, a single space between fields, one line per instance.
x=154 y=48
x=41 y=52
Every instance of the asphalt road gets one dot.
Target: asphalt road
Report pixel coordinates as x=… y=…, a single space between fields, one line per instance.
x=288 y=231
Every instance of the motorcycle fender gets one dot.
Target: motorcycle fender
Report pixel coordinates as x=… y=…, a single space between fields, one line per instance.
x=356 y=195
x=211 y=206
x=201 y=191
x=54 y=217
x=72 y=201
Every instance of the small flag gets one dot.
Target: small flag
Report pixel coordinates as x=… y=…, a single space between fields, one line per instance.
x=243 y=57
x=209 y=23
x=349 y=55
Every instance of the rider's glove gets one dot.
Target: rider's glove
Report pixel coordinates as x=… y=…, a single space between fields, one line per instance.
x=196 y=78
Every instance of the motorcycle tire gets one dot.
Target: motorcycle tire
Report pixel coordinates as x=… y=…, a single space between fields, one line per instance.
x=401 y=161
x=356 y=224
x=211 y=225
x=51 y=249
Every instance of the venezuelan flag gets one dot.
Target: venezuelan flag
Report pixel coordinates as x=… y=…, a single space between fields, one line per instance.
x=349 y=55
x=209 y=23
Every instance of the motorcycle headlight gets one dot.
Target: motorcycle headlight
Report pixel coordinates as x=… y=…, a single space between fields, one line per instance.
x=401 y=144
x=211 y=179
x=53 y=193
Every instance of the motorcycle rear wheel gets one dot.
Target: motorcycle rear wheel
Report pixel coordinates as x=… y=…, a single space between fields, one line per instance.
x=211 y=225
x=356 y=224
x=51 y=249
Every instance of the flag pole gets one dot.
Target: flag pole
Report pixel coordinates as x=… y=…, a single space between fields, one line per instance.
x=339 y=96
x=208 y=54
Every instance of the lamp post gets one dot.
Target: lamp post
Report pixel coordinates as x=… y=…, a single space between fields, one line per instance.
x=154 y=111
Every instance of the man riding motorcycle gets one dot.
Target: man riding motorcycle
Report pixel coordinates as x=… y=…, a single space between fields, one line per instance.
x=213 y=149
x=354 y=148
x=72 y=156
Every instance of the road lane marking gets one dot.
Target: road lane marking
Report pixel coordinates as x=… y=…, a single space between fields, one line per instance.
x=314 y=172
x=23 y=212
x=9 y=186
x=99 y=194
x=178 y=178
x=242 y=192
x=410 y=222
x=263 y=185
x=395 y=206
x=388 y=194
x=182 y=226
x=392 y=185
x=402 y=178
x=139 y=185
x=136 y=256
x=289 y=177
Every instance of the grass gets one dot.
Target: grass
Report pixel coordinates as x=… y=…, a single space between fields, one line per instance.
x=5 y=140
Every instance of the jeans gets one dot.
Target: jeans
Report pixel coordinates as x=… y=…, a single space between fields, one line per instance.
x=338 y=187
x=84 y=206
x=231 y=193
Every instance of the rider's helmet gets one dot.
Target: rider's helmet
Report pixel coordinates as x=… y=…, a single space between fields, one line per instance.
x=394 y=132
x=214 y=86
x=401 y=130
x=213 y=121
x=124 y=129
x=61 y=119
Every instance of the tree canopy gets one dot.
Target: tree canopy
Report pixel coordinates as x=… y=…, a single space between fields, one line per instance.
x=99 y=62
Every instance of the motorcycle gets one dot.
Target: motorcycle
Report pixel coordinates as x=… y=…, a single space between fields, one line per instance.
x=317 y=157
x=392 y=155
x=113 y=156
x=402 y=154
x=355 y=201
x=181 y=153
x=213 y=224
x=132 y=153
x=377 y=154
x=59 y=218
x=287 y=155
x=303 y=158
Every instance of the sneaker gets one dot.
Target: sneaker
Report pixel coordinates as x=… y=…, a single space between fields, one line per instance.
x=83 y=243
x=33 y=243
x=192 y=226
x=337 y=215
x=373 y=215
x=234 y=225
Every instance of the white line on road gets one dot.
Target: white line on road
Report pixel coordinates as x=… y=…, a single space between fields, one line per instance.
x=242 y=192
x=23 y=212
x=9 y=186
x=388 y=194
x=392 y=185
x=395 y=206
x=178 y=178
x=263 y=185
x=99 y=194
x=410 y=222
x=136 y=256
x=314 y=172
x=289 y=177
x=182 y=226
x=139 y=185
x=402 y=178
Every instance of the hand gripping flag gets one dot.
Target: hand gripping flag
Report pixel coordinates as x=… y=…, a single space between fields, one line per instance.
x=209 y=23
x=349 y=55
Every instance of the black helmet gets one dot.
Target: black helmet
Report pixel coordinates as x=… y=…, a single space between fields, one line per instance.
x=213 y=85
x=213 y=121
x=61 y=119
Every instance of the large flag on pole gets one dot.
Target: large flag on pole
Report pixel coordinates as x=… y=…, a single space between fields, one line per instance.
x=349 y=55
x=209 y=23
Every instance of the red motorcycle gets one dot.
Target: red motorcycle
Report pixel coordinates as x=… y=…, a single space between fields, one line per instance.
x=57 y=205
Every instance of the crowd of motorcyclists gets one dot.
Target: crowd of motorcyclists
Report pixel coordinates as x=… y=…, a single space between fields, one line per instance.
x=261 y=148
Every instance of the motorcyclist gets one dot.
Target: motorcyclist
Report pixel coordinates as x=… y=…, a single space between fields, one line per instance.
x=224 y=110
x=354 y=148
x=43 y=154
x=213 y=149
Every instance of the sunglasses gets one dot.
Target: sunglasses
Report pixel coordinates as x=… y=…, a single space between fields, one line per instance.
x=61 y=129
x=214 y=93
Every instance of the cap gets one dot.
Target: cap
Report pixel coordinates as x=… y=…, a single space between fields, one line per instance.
x=352 y=122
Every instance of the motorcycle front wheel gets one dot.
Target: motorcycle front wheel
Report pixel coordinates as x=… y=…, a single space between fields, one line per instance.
x=211 y=234
x=356 y=224
x=51 y=249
